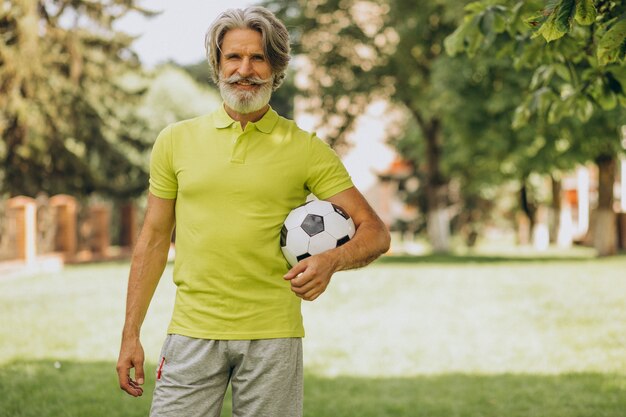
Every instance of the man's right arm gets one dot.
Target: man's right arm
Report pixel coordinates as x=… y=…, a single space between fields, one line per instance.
x=147 y=265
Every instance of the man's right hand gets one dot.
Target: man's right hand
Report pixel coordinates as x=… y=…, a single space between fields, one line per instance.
x=131 y=356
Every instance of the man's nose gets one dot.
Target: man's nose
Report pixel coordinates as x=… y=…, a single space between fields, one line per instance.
x=245 y=69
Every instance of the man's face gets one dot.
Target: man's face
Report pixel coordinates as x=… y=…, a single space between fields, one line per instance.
x=245 y=73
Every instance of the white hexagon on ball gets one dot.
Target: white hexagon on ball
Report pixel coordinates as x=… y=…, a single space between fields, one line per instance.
x=296 y=217
x=337 y=226
x=297 y=242
x=290 y=257
x=321 y=242
x=319 y=207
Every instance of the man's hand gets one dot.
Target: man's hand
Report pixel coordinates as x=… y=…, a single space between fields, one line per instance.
x=131 y=356
x=310 y=277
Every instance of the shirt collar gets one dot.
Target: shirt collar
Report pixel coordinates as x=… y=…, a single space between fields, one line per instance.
x=221 y=118
x=266 y=124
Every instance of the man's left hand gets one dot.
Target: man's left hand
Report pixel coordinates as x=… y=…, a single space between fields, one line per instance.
x=310 y=277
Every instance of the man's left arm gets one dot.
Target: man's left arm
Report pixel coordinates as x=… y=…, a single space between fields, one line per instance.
x=310 y=277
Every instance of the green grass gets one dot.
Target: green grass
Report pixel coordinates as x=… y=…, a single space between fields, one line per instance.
x=39 y=388
x=447 y=336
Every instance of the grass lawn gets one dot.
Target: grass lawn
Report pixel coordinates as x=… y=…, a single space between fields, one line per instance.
x=474 y=336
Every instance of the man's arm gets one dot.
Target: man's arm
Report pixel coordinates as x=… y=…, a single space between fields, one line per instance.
x=147 y=265
x=310 y=277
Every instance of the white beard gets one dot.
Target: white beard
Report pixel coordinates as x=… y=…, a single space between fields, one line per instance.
x=245 y=102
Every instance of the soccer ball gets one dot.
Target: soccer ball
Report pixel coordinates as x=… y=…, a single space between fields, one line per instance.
x=313 y=228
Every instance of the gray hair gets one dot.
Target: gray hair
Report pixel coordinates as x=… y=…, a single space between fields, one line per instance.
x=275 y=38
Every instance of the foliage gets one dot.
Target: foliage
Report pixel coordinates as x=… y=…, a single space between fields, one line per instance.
x=462 y=134
x=580 y=73
x=66 y=123
x=171 y=95
x=356 y=52
x=578 y=87
x=360 y=52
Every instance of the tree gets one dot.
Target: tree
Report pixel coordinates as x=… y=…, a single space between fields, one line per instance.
x=579 y=75
x=585 y=50
x=171 y=94
x=66 y=123
x=458 y=138
x=361 y=51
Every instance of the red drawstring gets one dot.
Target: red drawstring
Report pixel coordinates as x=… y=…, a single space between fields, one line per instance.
x=160 y=368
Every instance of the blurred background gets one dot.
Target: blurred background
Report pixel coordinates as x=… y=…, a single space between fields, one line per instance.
x=488 y=135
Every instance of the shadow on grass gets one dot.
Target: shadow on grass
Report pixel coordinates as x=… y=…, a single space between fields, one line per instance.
x=78 y=389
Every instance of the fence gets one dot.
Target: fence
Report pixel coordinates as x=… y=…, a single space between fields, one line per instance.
x=62 y=225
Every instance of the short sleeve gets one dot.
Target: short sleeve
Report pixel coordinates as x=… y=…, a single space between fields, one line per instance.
x=163 y=181
x=326 y=174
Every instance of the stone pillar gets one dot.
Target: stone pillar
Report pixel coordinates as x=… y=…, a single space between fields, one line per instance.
x=100 y=239
x=622 y=180
x=621 y=224
x=128 y=232
x=24 y=211
x=66 y=237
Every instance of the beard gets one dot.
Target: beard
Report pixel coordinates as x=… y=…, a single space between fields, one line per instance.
x=245 y=102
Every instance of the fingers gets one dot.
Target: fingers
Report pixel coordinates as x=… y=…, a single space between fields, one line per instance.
x=131 y=387
x=309 y=277
x=302 y=285
x=308 y=287
x=127 y=383
x=137 y=391
x=139 y=373
x=310 y=295
x=298 y=268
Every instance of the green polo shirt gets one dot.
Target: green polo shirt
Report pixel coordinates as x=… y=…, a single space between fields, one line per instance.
x=233 y=190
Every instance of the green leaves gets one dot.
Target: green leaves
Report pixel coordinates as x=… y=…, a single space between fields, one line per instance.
x=612 y=46
x=466 y=37
x=585 y=12
x=585 y=67
x=556 y=19
x=479 y=29
x=564 y=15
x=66 y=125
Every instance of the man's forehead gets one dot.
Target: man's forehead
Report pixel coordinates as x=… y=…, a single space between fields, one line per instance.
x=242 y=39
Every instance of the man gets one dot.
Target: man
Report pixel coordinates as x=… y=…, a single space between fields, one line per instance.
x=228 y=180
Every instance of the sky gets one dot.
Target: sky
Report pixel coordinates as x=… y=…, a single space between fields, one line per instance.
x=178 y=32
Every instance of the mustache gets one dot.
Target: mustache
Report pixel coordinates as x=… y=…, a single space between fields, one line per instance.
x=235 y=78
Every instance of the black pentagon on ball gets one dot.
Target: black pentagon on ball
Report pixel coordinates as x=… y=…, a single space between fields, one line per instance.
x=340 y=211
x=313 y=224
x=283 y=237
x=303 y=256
x=343 y=240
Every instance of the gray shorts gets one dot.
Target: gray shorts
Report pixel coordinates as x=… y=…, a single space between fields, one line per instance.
x=193 y=375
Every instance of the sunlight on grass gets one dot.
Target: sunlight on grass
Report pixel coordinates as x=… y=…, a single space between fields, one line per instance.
x=492 y=337
x=76 y=314
x=493 y=318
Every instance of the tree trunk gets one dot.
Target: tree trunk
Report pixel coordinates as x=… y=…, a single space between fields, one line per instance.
x=438 y=225
x=605 y=227
x=555 y=209
x=525 y=220
x=438 y=221
x=528 y=206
